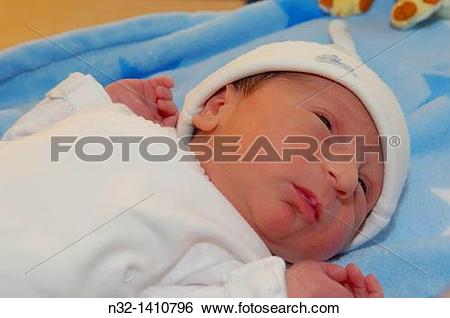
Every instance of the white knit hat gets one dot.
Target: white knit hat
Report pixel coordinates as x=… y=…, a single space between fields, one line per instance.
x=329 y=61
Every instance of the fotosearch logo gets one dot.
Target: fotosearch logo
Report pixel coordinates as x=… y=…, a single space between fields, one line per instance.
x=219 y=148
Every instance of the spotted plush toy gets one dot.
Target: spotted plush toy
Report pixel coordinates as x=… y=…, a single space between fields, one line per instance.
x=404 y=13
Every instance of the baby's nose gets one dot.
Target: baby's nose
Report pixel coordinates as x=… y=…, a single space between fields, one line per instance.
x=344 y=177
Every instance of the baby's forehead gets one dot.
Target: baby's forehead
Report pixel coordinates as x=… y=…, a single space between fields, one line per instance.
x=314 y=89
x=321 y=86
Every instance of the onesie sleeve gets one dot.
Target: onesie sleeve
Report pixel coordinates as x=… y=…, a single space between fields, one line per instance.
x=261 y=278
x=77 y=92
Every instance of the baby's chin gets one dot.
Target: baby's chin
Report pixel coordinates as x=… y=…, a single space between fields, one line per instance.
x=322 y=257
x=313 y=252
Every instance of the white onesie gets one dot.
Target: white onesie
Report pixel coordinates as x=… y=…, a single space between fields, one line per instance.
x=117 y=229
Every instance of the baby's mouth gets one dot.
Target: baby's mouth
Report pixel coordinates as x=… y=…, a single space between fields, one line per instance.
x=306 y=204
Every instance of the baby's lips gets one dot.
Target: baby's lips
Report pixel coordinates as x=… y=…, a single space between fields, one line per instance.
x=306 y=205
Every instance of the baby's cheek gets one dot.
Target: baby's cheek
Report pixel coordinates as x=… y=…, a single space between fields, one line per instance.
x=345 y=233
x=279 y=222
x=336 y=236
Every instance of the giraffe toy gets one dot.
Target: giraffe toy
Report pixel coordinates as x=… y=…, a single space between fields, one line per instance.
x=404 y=13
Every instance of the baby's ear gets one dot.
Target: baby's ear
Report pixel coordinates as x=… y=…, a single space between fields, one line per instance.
x=208 y=118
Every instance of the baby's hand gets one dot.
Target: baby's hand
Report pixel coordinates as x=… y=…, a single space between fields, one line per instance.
x=320 y=279
x=362 y=286
x=151 y=98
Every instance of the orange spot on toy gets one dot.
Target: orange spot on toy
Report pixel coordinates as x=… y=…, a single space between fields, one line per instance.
x=432 y=1
x=405 y=11
x=364 y=5
x=326 y=3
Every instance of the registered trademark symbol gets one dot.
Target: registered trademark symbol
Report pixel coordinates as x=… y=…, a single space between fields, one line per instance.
x=394 y=141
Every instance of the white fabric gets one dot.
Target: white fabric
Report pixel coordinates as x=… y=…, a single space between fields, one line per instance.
x=341 y=38
x=77 y=92
x=333 y=63
x=71 y=219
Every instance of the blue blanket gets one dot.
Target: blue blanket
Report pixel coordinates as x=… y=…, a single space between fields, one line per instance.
x=413 y=257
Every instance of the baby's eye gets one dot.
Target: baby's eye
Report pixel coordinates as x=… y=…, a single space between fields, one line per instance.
x=325 y=121
x=363 y=186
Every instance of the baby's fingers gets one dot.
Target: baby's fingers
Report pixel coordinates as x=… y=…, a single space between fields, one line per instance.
x=165 y=81
x=335 y=272
x=163 y=93
x=373 y=287
x=166 y=107
x=170 y=121
x=356 y=281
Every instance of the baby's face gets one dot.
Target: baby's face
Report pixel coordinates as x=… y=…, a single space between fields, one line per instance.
x=266 y=193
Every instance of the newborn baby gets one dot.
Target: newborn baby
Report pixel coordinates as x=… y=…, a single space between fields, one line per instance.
x=269 y=197
x=204 y=228
x=260 y=105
